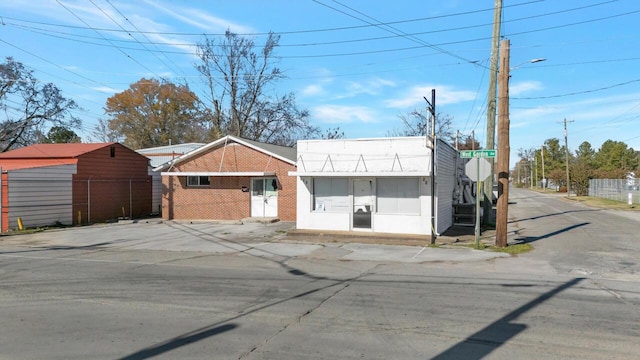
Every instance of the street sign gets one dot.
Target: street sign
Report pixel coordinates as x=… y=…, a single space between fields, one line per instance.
x=478 y=170
x=477 y=154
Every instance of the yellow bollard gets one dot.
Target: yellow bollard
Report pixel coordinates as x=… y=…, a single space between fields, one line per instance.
x=79 y=217
x=20 y=224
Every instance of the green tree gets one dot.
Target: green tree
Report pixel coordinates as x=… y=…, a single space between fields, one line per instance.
x=581 y=172
x=241 y=99
x=554 y=154
x=559 y=178
x=30 y=106
x=61 y=135
x=154 y=113
x=585 y=154
x=615 y=159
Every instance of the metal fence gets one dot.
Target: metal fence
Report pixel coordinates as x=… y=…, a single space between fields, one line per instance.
x=616 y=189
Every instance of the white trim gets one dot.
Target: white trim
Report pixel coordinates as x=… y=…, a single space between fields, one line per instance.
x=360 y=174
x=222 y=141
x=213 y=173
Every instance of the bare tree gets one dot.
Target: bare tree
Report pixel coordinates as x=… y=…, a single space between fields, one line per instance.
x=102 y=133
x=415 y=124
x=241 y=99
x=29 y=106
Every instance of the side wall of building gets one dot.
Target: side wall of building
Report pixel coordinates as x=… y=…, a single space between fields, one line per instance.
x=111 y=182
x=446 y=184
x=38 y=196
x=224 y=198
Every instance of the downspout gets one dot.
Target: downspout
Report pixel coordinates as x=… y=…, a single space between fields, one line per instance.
x=1 y=197
x=89 y=200
x=130 y=202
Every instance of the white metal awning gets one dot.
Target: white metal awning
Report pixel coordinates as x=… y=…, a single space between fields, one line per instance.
x=217 y=173
x=360 y=174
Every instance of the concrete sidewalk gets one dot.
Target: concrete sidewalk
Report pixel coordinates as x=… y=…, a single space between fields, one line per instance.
x=270 y=240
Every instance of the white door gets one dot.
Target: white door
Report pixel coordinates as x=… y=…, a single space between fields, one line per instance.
x=264 y=197
x=363 y=202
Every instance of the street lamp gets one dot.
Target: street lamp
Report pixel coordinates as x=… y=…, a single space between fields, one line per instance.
x=532 y=61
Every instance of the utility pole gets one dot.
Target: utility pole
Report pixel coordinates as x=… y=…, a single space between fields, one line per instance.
x=491 y=107
x=503 y=146
x=566 y=157
x=432 y=109
x=457 y=139
x=544 y=180
x=473 y=139
x=535 y=167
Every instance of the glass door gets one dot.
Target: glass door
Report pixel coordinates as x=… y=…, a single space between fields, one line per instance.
x=264 y=197
x=363 y=202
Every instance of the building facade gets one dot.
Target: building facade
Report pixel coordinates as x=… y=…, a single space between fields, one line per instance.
x=375 y=185
x=47 y=184
x=230 y=179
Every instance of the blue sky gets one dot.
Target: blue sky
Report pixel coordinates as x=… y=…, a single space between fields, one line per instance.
x=359 y=64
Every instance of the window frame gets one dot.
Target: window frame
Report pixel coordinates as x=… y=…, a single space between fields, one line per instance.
x=338 y=189
x=384 y=202
x=199 y=183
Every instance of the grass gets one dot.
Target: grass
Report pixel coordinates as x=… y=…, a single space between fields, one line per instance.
x=514 y=249
x=604 y=203
x=25 y=231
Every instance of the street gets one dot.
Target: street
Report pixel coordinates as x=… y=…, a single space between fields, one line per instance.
x=202 y=291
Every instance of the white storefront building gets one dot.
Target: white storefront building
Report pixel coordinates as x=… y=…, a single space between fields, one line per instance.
x=380 y=185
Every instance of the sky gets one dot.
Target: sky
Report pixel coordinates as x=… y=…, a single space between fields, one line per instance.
x=359 y=64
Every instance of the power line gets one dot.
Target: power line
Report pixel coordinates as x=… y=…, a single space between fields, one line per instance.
x=279 y=32
x=105 y=38
x=578 y=92
x=393 y=30
x=145 y=36
x=48 y=31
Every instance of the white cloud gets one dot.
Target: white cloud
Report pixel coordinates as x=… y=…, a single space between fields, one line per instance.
x=200 y=19
x=445 y=95
x=332 y=114
x=313 y=90
x=370 y=87
x=105 y=89
x=523 y=87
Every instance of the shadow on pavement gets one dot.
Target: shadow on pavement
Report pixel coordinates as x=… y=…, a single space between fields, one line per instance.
x=483 y=342
x=179 y=341
x=529 y=239
x=554 y=214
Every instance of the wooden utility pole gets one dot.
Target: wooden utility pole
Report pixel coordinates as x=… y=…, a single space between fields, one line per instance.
x=544 y=179
x=491 y=107
x=566 y=157
x=503 y=146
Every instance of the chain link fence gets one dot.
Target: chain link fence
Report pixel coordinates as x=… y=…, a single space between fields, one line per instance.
x=616 y=189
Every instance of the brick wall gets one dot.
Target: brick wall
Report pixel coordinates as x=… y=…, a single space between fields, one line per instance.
x=115 y=183
x=224 y=199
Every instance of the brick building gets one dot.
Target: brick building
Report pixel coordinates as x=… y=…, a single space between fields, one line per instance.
x=230 y=179
x=47 y=184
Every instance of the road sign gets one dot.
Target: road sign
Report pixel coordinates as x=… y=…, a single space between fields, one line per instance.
x=478 y=169
x=477 y=154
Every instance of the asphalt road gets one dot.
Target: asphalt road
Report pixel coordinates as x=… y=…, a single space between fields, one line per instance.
x=575 y=239
x=118 y=297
